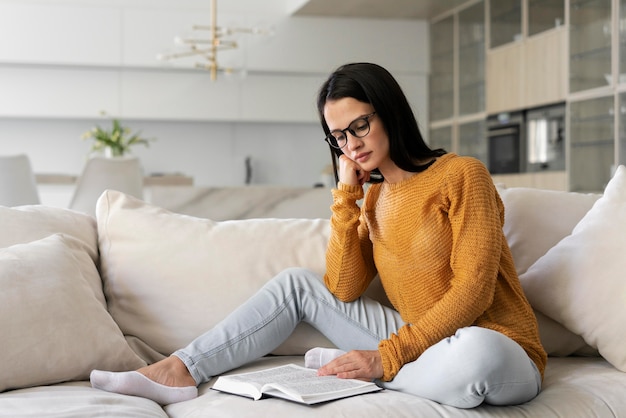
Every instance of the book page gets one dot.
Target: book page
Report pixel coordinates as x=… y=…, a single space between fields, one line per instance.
x=282 y=374
x=316 y=385
x=301 y=384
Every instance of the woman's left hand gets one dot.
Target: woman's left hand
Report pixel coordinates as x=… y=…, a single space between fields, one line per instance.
x=356 y=364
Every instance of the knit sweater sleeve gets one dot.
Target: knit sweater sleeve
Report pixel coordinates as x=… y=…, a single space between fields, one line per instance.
x=349 y=261
x=475 y=221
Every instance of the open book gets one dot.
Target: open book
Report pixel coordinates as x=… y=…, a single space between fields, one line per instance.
x=294 y=383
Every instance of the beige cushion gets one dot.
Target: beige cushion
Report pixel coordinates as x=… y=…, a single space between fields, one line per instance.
x=24 y=224
x=558 y=341
x=534 y=221
x=170 y=277
x=53 y=326
x=581 y=281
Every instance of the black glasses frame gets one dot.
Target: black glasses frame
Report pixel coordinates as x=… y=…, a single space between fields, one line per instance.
x=332 y=140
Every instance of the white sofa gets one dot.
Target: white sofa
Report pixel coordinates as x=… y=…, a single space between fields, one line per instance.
x=140 y=281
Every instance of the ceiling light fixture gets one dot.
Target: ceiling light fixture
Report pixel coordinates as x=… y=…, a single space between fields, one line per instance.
x=208 y=48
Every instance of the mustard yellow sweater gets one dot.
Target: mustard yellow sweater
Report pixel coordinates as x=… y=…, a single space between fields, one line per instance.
x=436 y=241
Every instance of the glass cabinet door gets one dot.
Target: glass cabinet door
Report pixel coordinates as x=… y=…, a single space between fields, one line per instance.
x=441 y=95
x=441 y=138
x=544 y=15
x=622 y=41
x=472 y=59
x=590 y=44
x=592 y=145
x=621 y=146
x=505 y=21
x=473 y=140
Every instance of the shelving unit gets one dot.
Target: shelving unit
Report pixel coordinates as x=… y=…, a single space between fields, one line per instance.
x=592 y=144
x=441 y=98
x=538 y=52
x=590 y=44
x=457 y=94
x=471 y=28
x=472 y=140
x=505 y=22
x=527 y=71
x=545 y=15
x=441 y=138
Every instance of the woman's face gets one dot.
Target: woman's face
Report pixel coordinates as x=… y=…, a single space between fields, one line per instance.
x=369 y=152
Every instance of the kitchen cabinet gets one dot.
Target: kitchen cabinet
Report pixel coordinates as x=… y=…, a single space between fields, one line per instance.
x=457 y=81
x=505 y=20
x=441 y=97
x=621 y=140
x=527 y=71
x=542 y=52
x=504 y=78
x=472 y=140
x=545 y=15
x=471 y=24
x=592 y=144
x=622 y=38
x=590 y=44
x=545 y=62
x=441 y=138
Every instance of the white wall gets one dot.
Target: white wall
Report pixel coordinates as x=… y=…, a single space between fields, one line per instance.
x=63 y=62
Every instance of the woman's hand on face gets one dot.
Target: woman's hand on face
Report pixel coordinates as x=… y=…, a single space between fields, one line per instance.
x=356 y=364
x=351 y=173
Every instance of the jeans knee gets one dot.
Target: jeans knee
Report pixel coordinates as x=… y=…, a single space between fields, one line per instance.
x=296 y=278
x=485 y=348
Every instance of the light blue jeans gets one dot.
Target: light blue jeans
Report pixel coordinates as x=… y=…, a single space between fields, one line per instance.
x=473 y=366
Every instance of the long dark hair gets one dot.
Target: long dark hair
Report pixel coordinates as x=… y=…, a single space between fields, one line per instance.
x=371 y=83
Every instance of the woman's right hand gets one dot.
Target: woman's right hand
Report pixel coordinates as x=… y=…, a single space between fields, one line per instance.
x=351 y=173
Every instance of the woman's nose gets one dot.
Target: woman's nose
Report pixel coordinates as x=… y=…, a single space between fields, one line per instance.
x=353 y=141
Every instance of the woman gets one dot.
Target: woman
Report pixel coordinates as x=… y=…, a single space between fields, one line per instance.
x=430 y=226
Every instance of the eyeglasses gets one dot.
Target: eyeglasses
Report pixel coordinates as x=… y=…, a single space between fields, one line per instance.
x=359 y=128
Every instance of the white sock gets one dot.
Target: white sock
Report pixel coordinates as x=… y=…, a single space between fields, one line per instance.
x=136 y=384
x=318 y=356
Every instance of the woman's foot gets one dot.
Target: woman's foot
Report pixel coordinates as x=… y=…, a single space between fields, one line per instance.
x=318 y=356
x=165 y=382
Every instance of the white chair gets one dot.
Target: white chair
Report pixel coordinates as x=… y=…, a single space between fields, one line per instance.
x=123 y=174
x=17 y=181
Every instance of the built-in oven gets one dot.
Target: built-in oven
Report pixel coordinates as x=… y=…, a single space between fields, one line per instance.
x=505 y=133
x=529 y=140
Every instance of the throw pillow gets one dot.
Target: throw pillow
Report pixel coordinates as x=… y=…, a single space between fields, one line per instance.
x=22 y=224
x=168 y=277
x=535 y=220
x=53 y=326
x=580 y=282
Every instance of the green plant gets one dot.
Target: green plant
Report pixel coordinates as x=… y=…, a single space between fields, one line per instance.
x=118 y=139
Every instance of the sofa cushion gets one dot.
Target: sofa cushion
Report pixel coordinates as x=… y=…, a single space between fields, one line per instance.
x=169 y=277
x=558 y=341
x=76 y=400
x=54 y=327
x=23 y=224
x=580 y=282
x=572 y=388
x=534 y=221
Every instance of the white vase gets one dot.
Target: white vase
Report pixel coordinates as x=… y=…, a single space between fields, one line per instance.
x=108 y=153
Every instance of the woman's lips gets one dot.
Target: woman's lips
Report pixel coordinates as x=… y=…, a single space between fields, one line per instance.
x=362 y=157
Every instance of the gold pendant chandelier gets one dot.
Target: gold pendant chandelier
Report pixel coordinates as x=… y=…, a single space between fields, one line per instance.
x=207 y=48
